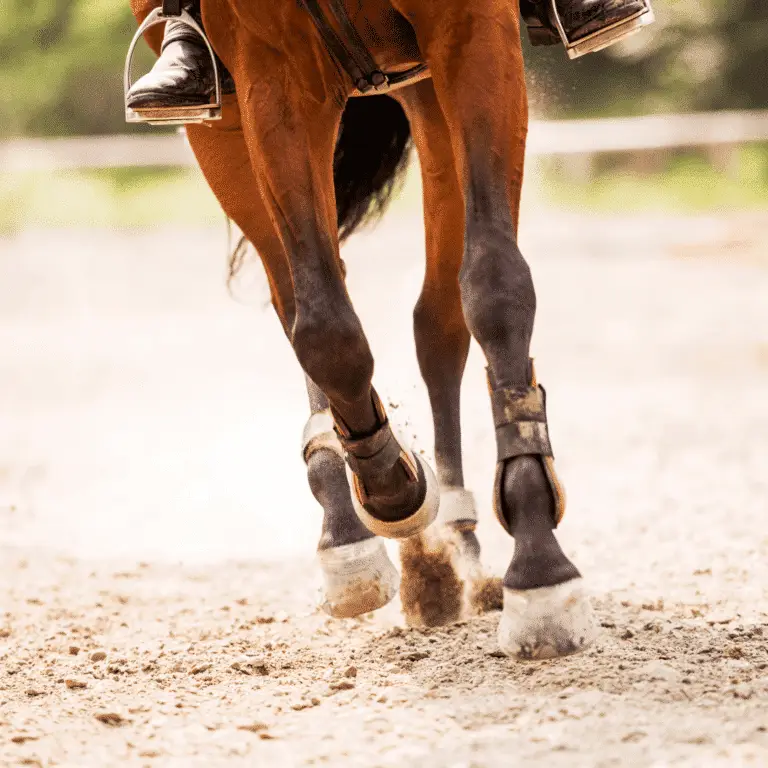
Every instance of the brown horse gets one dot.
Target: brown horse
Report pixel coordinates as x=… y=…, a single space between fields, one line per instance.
x=298 y=164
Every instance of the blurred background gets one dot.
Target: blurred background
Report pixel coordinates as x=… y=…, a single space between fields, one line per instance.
x=61 y=75
x=145 y=408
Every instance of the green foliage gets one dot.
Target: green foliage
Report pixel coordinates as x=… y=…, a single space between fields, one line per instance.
x=119 y=197
x=127 y=198
x=699 y=55
x=61 y=65
x=685 y=182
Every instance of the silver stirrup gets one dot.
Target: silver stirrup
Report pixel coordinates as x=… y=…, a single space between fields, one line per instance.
x=603 y=37
x=171 y=115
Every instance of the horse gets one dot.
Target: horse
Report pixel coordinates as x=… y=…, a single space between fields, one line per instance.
x=301 y=158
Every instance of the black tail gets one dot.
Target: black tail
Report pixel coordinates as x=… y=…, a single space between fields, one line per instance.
x=369 y=165
x=371 y=159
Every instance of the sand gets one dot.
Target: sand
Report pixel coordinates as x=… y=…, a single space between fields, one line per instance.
x=158 y=605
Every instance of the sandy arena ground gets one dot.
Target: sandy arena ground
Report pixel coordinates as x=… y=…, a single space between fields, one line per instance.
x=158 y=597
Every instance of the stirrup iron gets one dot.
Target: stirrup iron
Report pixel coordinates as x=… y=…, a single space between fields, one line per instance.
x=200 y=113
x=605 y=37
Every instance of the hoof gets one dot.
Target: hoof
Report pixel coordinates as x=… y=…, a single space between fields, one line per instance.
x=358 y=578
x=547 y=622
x=416 y=522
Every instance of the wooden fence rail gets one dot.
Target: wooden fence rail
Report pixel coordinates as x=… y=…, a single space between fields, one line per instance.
x=545 y=138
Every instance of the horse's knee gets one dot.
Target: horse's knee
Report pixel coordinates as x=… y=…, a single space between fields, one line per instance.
x=330 y=345
x=498 y=297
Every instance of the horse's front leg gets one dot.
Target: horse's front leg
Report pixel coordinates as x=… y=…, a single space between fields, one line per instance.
x=357 y=573
x=291 y=137
x=474 y=53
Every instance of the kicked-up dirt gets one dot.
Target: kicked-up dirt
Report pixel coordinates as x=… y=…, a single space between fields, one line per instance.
x=158 y=605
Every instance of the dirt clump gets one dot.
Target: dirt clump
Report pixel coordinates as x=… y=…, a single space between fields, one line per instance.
x=112 y=719
x=486 y=594
x=431 y=590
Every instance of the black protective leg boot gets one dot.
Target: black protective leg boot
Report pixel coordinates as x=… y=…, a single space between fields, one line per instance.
x=584 y=26
x=183 y=76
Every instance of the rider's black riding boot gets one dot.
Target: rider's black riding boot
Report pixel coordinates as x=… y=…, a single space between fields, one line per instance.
x=580 y=18
x=183 y=75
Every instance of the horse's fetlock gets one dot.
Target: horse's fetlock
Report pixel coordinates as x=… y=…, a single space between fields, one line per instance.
x=538 y=560
x=526 y=486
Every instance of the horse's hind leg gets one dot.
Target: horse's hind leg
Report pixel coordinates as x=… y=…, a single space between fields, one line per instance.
x=358 y=575
x=474 y=53
x=440 y=330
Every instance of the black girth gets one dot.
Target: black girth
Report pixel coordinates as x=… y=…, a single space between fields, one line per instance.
x=352 y=53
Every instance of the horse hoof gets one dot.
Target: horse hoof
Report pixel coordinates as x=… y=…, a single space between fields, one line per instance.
x=547 y=622
x=416 y=522
x=358 y=578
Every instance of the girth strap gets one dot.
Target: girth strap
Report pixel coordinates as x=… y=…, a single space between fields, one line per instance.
x=354 y=65
x=359 y=49
x=353 y=54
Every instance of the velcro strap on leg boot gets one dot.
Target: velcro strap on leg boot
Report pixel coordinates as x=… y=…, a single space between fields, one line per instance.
x=374 y=453
x=520 y=418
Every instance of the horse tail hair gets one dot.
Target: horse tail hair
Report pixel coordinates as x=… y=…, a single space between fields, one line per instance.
x=369 y=166
x=371 y=160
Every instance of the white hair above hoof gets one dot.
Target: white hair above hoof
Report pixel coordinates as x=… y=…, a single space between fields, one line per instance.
x=547 y=622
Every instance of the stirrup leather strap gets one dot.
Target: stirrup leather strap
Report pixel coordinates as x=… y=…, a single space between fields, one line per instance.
x=172 y=7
